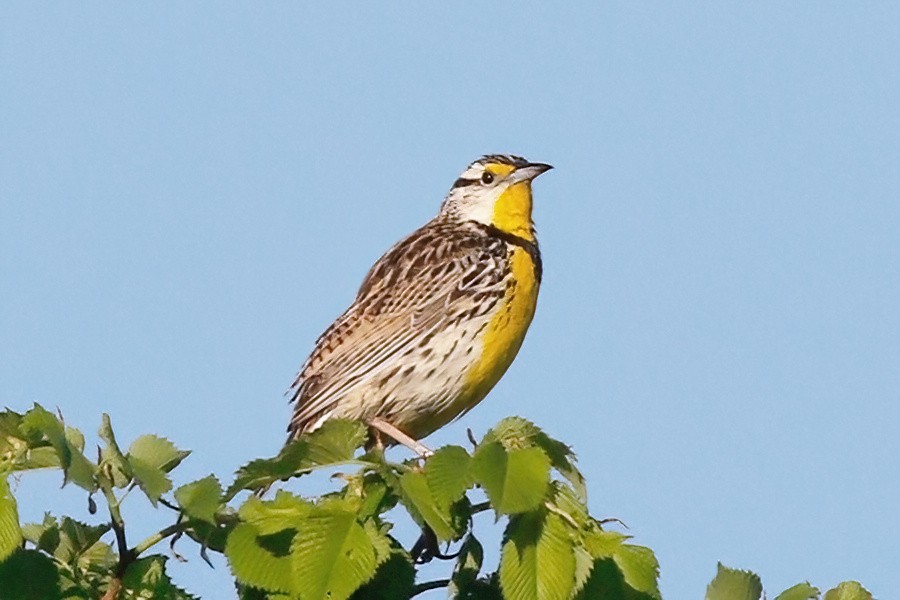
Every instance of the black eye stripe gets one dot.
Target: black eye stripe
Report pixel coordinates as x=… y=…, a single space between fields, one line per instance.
x=464 y=182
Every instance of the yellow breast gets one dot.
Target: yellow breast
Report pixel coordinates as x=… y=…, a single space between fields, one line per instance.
x=506 y=330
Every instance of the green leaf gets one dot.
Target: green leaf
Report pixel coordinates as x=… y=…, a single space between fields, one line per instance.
x=517 y=433
x=113 y=463
x=254 y=565
x=333 y=443
x=76 y=467
x=449 y=475
x=537 y=561
x=418 y=500
x=513 y=432
x=607 y=583
x=394 y=579
x=332 y=554
x=801 y=591
x=150 y=458
x=44 y=457
x=200 y=499
x=10 y=531
x=373 y=496
x=734 y=584
x=467 y=569
x=146 y=578
x=639 y=568
x=515 y=480
x=603 y=544
x=848 y=590
x=272 y=516
x=28 y=575
x=75 y=539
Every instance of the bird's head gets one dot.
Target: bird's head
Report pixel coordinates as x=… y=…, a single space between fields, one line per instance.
x=495 y=190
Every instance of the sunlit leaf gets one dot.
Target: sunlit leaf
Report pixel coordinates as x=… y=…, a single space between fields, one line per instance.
x=75 y=539
x=332 y=554
x=200 y=499
x=734 y=584
x=146 y=578
x=76 y=467
x=639 y=567
x=150 y=458
x=848 y=590
x=449 y=475
x=801 y=591
x=515 y=480
x=115 y=466
x=272 y=516
x=517 y=433
x=537 y=561
x=603 y=544
x=333 y=443
x=419 y=501
x=254 y=565
x=10 y=531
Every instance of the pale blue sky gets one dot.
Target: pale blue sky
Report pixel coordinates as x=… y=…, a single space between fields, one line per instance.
x=189 y=193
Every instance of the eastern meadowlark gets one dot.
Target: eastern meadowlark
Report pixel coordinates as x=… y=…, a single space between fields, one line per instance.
x=438 y=319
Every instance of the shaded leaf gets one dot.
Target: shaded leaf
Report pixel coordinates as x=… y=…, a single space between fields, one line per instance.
x=606 y=582
x=333 y=443
x=734 y=584
x=374 y=496
x=200 y=499
x=10 y=531
x=848 y=590
x=537 y=561
x=801 y=591
x=467 y=568
x=28 y=575
x=150 y=458
x=394 y=580
x=514 y=480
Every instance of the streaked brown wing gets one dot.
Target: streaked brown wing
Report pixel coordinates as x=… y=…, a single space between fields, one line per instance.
x=433 y=276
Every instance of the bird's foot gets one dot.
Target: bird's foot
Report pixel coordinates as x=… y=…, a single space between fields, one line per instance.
x=389 y=430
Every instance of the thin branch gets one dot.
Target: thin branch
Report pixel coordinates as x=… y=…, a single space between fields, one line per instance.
x=118 y=526
x=429 y=585
x=168 y=504
x=126 y=557
x=480 y=507
x=156 y=538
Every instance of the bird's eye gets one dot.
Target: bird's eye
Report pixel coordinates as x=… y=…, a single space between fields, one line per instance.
x=487 y=177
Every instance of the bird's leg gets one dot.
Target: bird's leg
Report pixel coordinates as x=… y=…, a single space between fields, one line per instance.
x=400 y=437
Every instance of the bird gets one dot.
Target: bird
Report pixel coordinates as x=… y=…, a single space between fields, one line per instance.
x=438 y=319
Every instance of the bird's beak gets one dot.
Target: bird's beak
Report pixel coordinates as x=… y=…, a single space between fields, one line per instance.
x=530 y=171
